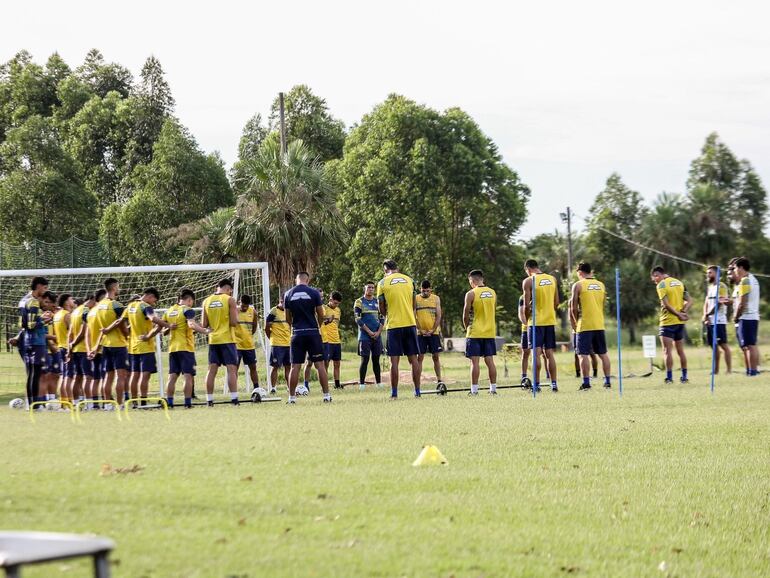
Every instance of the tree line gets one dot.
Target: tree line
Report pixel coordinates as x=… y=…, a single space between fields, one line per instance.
x=94 y=152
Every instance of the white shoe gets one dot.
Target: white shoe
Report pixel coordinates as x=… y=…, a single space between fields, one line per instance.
x=361 y=386
x=380 y=385
x=108 y=407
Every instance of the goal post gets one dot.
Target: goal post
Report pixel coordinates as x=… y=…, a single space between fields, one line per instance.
x=248 y=278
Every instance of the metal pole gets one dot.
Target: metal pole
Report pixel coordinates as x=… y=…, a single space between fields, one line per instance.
x=569 y=243
x=617 y=313
x=714 y=330
x=282 y=117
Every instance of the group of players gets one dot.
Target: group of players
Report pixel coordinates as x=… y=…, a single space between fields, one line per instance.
x=81 y=348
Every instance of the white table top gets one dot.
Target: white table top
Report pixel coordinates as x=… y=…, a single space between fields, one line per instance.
x=34 y=547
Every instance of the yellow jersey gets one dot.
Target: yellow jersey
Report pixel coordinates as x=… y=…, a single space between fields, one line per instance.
x=673 y=290
x=138 y=314
x=426 y=312
x=483 y=324
x=330 y=329
x=591 y=300
x=244 y=338
x=60 y=328
x=94 y=327
x=280 y=333
x=76 y=324
x=544 y=293
x=107 y=311
x=397 y=290
x=217 y=308
x=181 y=338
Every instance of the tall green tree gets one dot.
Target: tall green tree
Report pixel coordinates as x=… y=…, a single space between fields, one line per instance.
x=252 y=137
x=286 y=214
x=308 y=119
x=41 y=195
x=180 y=185
x=102 y=77
x=430 y=190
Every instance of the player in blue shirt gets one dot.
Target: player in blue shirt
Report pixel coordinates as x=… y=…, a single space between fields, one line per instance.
x=305 y=314
x=370 y=325
x=33 y=321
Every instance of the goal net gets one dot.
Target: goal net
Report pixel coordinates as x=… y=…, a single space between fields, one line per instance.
x=248 y=279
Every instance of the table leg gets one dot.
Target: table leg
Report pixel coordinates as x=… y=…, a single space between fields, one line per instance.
x=13 y=572
x=102 y=565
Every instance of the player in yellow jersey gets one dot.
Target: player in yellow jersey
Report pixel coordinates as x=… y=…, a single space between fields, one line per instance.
x=675 y=302
x=586 y=307
x=717 y=299
x=144 y=324
x=181 y=345
x=114 y=331
x=61 y=326
x=76 y=348
x=396 y=297
x=480 y=329
x=279 y=333
x=93 y=349
x=543 y=334
x=244 y=339
x=428 y=315
x=220 y=314
x=330 y=335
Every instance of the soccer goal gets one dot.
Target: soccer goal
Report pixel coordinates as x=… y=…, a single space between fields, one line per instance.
x=248 y=279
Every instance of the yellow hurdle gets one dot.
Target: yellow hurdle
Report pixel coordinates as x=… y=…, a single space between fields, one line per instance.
x=62 y=403
x=85 y=402
x=162 y=402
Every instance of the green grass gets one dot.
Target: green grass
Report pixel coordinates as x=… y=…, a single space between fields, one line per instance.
x=584 y=484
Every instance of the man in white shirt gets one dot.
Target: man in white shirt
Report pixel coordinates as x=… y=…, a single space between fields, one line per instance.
x=746 y=313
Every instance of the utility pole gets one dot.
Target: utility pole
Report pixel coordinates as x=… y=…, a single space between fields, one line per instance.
x=567 y=218
x=283 y=124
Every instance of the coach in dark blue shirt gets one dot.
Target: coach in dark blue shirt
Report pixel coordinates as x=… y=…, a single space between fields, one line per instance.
x=304 y=313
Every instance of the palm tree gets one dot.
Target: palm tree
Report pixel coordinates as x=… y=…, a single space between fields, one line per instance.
x=203 y=241
x=286 y=214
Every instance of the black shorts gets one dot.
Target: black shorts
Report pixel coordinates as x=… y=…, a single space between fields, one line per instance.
x=588 y=342
x=53 y=363
x=403 y=341
x=747 y=330
x=181 y=362
x=524 y=340
x=721 y=334
x=480 y=347
x=306 y=346
x=675 y=332
x=280 y=356
x=80 y=364
x=545 y=337
x=332 y=352
x=144 y=363
x=247 y=356
x=114 y=358
x=223 y=354
x=429 y=344
x=96 y=367
x=35 y=355
x=371 y=347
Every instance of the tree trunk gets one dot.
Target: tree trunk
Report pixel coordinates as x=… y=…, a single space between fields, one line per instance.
x=632 y=333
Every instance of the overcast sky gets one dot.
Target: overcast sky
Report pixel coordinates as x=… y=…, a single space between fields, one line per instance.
x=570 y=91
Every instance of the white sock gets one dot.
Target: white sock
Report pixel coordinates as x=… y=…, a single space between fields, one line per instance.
x=492 y=387
x=233 y=395
x=209 y=397
x=50 y=396
x=475 y=388
x=292 y=398
x=327 y=396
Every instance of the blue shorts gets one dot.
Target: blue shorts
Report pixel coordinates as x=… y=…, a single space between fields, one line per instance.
x=367 y=347
x=524 y=340
x=721 y=334
x=35 y=354
x=280 y=356
x=181 y=362
x=306 y=345
x=675 y=332
x=96 y=367
x=403 y=341
x=53 y=363
x=144 y=363
x=114 y=358
x=332 y=352
x=480 y=347
x=80 y=364
x=588 y=342
x=247 y=356
x=429 y=344
x=67 y=368
x=747 y=330
x=544 y=338
x=223 y=354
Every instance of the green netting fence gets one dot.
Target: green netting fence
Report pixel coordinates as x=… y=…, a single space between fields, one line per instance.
x=73 y=252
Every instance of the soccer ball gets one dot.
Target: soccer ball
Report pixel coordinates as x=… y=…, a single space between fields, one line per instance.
x=16 y=403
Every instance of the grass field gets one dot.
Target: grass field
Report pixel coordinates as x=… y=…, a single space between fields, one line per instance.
x=667 y=481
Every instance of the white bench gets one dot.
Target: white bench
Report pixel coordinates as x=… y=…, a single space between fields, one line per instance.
x=20 y=548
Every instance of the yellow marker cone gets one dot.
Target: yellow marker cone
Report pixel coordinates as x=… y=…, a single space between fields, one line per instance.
x=430 y=455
